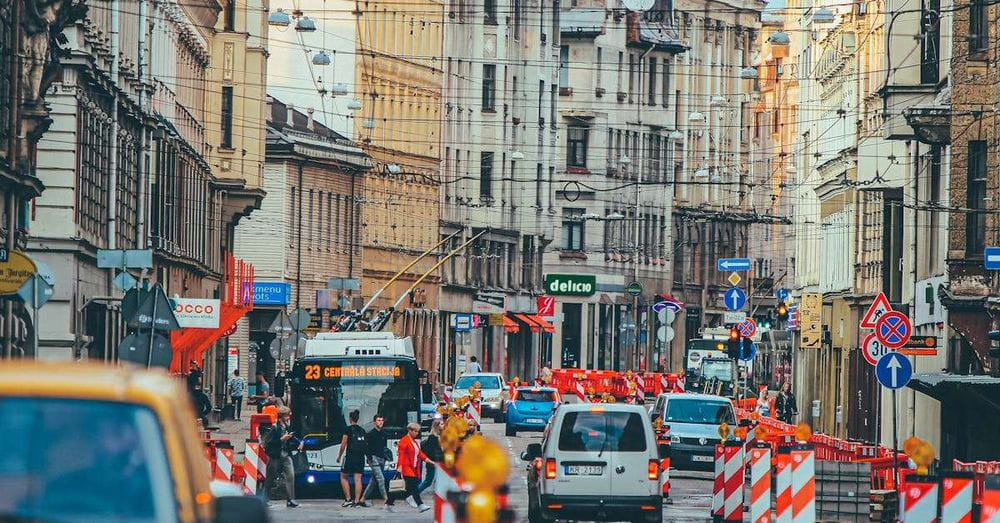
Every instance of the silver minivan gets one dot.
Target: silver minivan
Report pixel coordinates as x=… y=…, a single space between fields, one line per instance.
x=694 y=421
x=595 y=462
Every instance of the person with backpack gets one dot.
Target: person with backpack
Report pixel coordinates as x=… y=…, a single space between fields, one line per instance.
x=353 y=445
x=278 y=446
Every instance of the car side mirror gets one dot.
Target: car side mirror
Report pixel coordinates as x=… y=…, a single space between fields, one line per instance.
x=240 y=509
x=663 y=450
x=533 y=451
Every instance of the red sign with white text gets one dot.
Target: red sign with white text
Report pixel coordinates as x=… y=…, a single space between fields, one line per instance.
x=546 y=306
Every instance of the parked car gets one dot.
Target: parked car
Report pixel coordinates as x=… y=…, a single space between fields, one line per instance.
x=595 y=462
x=89 y=442
x=530 y=409
x=694 y=421
x=492 y=387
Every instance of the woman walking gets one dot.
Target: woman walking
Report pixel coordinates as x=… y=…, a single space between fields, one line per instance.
x=785 y=404
x=432 y=449
x=408 y=465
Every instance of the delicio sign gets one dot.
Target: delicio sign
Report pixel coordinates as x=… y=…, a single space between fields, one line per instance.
x=570 y=284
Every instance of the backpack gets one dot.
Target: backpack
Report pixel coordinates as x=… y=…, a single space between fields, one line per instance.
x=355 y=439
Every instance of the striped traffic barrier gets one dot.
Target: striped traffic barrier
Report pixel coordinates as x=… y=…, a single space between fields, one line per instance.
x=255 y=465
x=760 y=483
x=580 y=393
x=990 y=512
x=224 y=460
x=718 y=484
x=803 y=465
x=733 y=480
x=957 y=488
x=783 y=485
x=640 y=389
x=444 y=484
x=920 y=498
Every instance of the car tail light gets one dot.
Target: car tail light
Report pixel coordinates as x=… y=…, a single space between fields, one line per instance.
x=653 y=472
x=550 y=468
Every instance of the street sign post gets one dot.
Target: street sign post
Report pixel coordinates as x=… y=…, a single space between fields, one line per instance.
x=893 y=329
x=782 y=294
x=991 y=258
x=748 y=328
x=733 y=317
x=735 y=299
x=733 y=264
x=634 y=288
x=878 y=307
x=893 y=371
x=748 y=350
x=872 y=349
x=734 y=278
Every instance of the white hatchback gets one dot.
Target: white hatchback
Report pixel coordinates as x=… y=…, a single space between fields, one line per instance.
x=595 y=462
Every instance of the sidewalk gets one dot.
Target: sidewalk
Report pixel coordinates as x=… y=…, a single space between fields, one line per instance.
x=236 y=432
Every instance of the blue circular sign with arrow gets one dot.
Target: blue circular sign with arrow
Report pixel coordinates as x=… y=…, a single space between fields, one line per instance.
x=893 y=370
x=735 y=298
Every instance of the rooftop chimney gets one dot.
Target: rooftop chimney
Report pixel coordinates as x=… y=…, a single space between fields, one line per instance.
x=309 y=123
x=290 y=112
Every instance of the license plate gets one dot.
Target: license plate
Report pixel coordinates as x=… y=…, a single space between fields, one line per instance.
x=534 y=420
x=706 y=459
x=584 y=470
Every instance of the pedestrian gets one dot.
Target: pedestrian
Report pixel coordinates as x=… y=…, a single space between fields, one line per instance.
x=378 y=453
x=763 y=406
x=237 y=389
x=408 y=465
x=432 y=449
x=353 y=445
x=263 y=391
x=785 y=404
x=194 y=376
x=473 y=366
x=546 y=374
x=278 y=446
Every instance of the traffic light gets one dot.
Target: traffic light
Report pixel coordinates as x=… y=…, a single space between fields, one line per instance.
x=994 y=337
x=733 y=345
x=782 y=311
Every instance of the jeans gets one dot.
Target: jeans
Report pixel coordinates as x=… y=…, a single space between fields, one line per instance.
x=411 y=489
x=377 y=465
x=428 y=477
x=280 y=465
x=237 y=406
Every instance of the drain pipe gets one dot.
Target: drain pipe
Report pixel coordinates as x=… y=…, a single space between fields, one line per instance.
x=113 y=155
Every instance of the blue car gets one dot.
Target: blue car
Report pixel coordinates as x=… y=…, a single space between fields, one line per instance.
x=531 y=408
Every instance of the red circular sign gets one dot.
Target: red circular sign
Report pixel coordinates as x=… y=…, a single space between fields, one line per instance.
x=872 y=349
x=893 y=329
x=748 y=328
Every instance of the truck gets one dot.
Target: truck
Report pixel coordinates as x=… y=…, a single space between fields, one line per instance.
x=706 y=363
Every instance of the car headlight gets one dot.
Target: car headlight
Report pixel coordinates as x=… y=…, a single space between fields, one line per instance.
x=675 y=439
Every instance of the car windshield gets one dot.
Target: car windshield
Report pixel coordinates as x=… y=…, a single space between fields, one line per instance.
x=319 y=410
x=699 y=411
x=596 y=431
x=485 y=382
x=536 y=395
x=720 y=370
x=82 y=460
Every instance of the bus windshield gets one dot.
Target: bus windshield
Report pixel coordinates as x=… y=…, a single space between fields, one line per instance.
x=721 y=370
x=320 y=405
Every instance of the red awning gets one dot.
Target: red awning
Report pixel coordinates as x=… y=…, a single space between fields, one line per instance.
x=535 y=322
x=510 y=326
x=546 y=326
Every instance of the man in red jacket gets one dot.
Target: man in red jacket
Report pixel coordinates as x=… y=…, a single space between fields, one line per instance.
x=408 y=465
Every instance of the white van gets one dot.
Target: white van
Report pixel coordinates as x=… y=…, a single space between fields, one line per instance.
x=595 y=462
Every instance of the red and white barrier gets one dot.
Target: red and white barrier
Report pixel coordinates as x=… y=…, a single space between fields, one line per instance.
x=474 y=413
x=733 y=481
x=803 y=484
x=991 y=500
x=640 y=389
x=760 y=483
x=580 y=393
x=957 y=490
x=919 y=499
x=783 y=485
x=718 y=485
x=224 y=463
x=679 y=384
x=444 y=484
x=255 y=465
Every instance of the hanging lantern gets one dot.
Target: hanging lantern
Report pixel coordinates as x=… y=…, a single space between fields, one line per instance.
x=321 y=58
x=279 y=18
x=305 y=25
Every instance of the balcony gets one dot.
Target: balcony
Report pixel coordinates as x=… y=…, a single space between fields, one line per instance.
x=581 y=23
x=645 y=31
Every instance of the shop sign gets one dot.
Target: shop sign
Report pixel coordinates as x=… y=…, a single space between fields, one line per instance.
x=546 y=306
x=489 y=302
x=271 y=293
x=570 y=284
x=15 y=271
x=811 y=321
x=197 y=313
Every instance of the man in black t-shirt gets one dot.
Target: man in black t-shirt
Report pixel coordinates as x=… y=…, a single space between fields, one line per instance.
x=353 y=445
x=378 y=455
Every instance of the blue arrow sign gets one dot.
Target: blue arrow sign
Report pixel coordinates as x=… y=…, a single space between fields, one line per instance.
x=782 y=294
x=734 y=264
x=893 y=370
x=748 y=350
x=991 y=258
x=735 y=299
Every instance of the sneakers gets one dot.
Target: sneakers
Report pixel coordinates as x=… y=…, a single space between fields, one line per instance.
x=362 y=504
x=424 y=507
x=347 y=503
x=411 y=502
x=292 y=503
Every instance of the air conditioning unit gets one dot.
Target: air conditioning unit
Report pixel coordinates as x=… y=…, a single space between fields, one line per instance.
x=599 y=92
x=621 y=96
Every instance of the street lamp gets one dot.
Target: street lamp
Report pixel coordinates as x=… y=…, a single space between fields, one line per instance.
x=305 y=25
x=321 y=58
x=696 y=117
x=279 y=18
x=748 y=73
x=354 y=105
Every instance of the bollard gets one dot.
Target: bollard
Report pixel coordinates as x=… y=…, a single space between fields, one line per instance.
x=956 y=496
x=919 y=498
x=803 y=483
x=733 y=479
x=717 y=484
x=760 y=483
x=783 y=482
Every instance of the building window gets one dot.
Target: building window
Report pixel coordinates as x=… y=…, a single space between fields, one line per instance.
x=490 y=11
x=652 y=81
x=538 y=186
x=631 y=76
x=975 y=219
x=517 y=19
x=489 y=87
x=227 y=117
x=665 y=84
x=930 y=44
x=599 y=72
x=563 y=66
x=572 y=228
x=621 y=65
x=576 y=146
x=979 y=29
x=229 y=16
x=7 y=51
x=486 y=175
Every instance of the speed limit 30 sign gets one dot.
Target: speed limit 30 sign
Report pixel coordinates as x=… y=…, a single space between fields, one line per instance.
x=872 y=349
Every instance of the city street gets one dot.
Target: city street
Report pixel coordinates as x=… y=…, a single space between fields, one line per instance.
x=691 y=494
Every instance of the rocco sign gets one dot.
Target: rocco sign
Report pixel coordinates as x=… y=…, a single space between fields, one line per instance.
x=197 y=313
x=570 y=284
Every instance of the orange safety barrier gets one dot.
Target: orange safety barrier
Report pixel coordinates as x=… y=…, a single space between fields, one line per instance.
x=610 y=382
x=883 y=470
x=980 y=469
